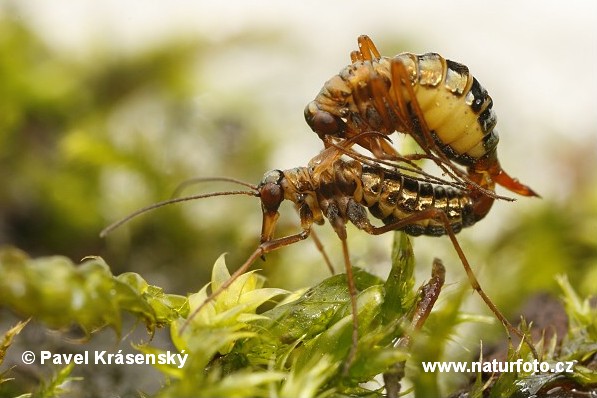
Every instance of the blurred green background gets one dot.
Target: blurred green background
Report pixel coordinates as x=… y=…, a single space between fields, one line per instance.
x=88 y=136
x=86 y=142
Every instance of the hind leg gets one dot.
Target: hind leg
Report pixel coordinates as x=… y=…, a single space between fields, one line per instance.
x=358 y=216
x=367 y=50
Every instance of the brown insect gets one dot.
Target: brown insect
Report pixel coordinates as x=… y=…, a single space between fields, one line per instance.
x=436 y=101
x=341 y=190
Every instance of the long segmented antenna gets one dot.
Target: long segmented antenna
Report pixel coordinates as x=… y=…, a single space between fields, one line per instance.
x=192 y=181
x=134 y=214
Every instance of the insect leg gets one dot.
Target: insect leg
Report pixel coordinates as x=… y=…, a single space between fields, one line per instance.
x=381 y=148
x=368 y=49
x=260 y=251
x=352 y=290
x=409 y=110
x=355 y=56
x=321 y=250
x=372 y=99
x=366 y=52
x=358 y=216
x=332 y=211
x=375 y=91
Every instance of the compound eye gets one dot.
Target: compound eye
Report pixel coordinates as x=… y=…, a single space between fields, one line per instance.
x=270 y=190
x=271 y=196
x=324 y=123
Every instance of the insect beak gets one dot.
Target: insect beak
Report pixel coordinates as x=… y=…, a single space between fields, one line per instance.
x=271 y=195
x=268 y=226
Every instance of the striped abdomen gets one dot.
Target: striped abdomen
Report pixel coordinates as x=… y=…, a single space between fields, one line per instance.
x=392 y=197
x=456 y=108
x=435 y=100
x=389 y=195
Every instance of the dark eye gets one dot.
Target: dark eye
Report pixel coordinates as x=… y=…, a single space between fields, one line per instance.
x=270 y=190
x=324 y=123
x=271 y=196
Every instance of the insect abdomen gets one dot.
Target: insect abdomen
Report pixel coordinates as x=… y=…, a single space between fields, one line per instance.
x=457 y=109
x=392 y=197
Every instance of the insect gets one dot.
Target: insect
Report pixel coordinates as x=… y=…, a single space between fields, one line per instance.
x=436 y=101
x=342 y=191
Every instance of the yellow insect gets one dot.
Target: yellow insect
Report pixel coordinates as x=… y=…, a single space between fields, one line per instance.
x=436 y=101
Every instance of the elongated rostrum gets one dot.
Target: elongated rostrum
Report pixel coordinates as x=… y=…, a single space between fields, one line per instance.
x=341 y=191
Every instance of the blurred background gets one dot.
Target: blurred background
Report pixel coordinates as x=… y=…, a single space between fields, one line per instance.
x=106 y=107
